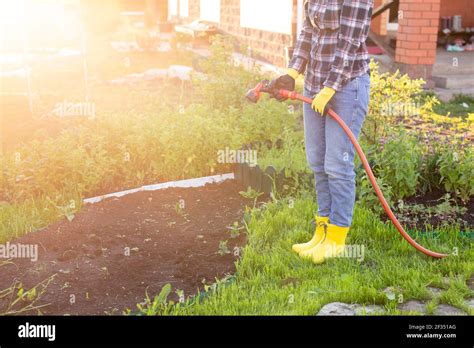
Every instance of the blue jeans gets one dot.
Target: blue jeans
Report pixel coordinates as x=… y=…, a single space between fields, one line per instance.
x=330 y=153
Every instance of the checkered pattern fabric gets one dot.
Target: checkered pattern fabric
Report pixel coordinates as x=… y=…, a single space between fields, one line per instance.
x=331 y=46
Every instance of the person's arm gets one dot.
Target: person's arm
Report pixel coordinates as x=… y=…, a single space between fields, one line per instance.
x=298 y=62
x=354 y=29
x=303 y=46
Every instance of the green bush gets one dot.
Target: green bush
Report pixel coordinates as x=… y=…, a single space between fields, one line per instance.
x=429 y=173
x=366 y=194
x=393 y=96
x=399 y=165
x=290 y=155
x=456 y=167
x=226 y=81
x=121 y=150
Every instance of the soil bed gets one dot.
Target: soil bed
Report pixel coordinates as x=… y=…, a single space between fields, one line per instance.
x=88 y=258
x=433 y=209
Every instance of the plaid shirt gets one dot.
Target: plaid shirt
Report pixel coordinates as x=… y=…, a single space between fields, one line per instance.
x=331 y=46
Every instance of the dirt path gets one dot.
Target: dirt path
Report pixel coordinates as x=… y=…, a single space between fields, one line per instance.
x=114 y=251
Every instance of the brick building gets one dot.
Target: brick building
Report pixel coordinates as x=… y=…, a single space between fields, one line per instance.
x=268 y=36
x=417 y=31
x=413 y=24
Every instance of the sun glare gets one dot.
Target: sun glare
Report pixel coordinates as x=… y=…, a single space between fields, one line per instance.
x=38 y=23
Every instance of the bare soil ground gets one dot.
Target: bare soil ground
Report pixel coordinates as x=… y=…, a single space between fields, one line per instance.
x=113 y=252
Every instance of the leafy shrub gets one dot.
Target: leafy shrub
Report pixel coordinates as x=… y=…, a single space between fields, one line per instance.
x=365 y=192
x=429 y=173
x=456 y=167
x=290 y=155
x=226 y=81
x=392 y=98
x=367 y=196
x=399 y=165
x=126 y=150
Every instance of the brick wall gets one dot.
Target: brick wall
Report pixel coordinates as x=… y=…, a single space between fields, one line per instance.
x=465 y=8
x=417 y=37
x=379 y=24
x=418 y=31
x=267 y=45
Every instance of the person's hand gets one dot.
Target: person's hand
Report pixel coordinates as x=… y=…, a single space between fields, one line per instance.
x=322 y=99
x=284 y=82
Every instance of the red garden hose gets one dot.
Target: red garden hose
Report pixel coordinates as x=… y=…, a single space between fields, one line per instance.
x=254 y=96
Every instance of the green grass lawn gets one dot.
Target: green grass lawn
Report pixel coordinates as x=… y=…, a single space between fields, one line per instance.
x=459 y=105
x=272 y=280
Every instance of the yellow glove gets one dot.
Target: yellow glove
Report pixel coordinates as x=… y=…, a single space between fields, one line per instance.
x=322 y=99
x=293 y=73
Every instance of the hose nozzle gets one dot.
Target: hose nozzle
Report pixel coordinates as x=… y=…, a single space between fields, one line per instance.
x=254 y=94
x=266 y=87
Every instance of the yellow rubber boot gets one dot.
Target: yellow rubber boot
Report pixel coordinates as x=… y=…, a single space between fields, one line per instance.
x=332 y=245
x=317 y=237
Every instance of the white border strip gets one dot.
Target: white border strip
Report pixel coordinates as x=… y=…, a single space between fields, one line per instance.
x=197 y=182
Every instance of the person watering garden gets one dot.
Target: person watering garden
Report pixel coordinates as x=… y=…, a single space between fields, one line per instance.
x=331 y=49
